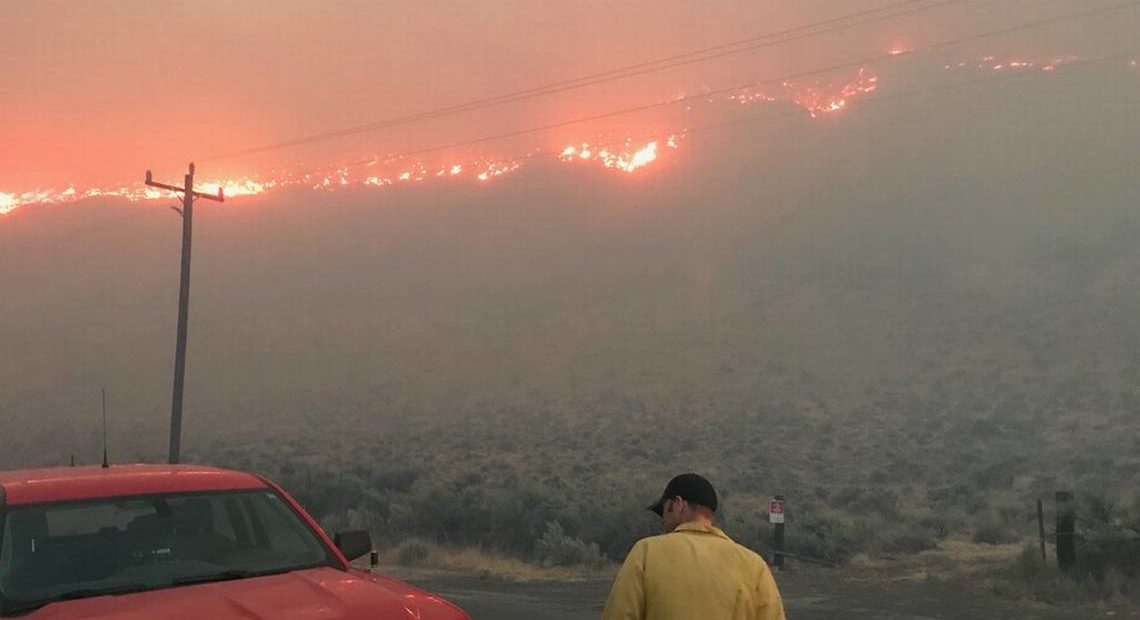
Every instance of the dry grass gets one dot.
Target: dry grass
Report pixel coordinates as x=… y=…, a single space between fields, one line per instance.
x=986 y=570
x=492 y=565
x=953 y=560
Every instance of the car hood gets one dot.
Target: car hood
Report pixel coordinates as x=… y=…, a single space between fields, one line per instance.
x=314 y=594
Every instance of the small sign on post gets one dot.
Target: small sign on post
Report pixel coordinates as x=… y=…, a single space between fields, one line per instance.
x=775 y=510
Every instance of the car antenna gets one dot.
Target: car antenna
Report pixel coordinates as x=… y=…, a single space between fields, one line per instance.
x=106 y=463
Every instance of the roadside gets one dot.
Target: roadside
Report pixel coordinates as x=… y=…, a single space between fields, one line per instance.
x=957 y=581
x=809 y=595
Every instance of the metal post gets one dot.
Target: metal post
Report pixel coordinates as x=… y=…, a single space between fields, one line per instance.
x=1066 y=531
x=1041 y=528
x=187 y=213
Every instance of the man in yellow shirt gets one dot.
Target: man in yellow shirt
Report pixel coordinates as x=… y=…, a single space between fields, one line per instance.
x=693 y=571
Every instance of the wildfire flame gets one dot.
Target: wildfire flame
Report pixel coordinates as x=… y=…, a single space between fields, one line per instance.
x=8 y=203
x=234 y=188
x=626 y=158
x=818 y=101
x=497 y=169
x=992 y=63
x=625 y=155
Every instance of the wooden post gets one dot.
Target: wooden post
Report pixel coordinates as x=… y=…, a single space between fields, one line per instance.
x=1041 y=528
x=776 y=517
x=1066 y=531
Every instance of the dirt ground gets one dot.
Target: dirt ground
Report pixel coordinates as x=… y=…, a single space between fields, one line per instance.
x=814 y=594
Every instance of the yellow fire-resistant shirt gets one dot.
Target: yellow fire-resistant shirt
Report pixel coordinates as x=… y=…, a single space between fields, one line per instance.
x=695 y=572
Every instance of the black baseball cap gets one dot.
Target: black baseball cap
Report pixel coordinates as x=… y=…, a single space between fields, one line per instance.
x=692 y=488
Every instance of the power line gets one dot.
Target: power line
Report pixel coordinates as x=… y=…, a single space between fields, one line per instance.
x=908 y=7
x=998 y=77
x=720 y=91
x=866 y=61
x=878 y=99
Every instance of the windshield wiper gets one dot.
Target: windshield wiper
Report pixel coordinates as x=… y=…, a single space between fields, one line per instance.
x=19 y=607
x=228 y=575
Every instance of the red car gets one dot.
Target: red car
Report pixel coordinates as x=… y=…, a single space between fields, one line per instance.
x=182 y=541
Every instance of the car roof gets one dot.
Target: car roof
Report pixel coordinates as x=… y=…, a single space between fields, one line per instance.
x=34 y=486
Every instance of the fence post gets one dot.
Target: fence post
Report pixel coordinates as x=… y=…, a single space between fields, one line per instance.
x=1041 y=528
x=776 y=517
x=1066 y=531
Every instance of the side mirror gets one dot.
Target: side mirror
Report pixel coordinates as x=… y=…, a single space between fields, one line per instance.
x=353 y=544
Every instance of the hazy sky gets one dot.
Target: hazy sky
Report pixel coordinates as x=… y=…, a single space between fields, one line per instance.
x=97 y=91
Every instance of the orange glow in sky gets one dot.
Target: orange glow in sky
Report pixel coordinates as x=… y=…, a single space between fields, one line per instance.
x=816 y=98
x=94 y=93
x=624 y=155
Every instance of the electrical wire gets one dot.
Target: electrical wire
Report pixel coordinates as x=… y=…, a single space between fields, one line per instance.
x=908 y=7
x=871 y=60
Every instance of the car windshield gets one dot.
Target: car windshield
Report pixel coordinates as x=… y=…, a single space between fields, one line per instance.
x=76 y=549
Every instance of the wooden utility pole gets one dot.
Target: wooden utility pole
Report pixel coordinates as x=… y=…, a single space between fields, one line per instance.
x=187 y=213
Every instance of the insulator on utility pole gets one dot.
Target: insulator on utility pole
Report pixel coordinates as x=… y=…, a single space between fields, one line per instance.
x=187 y=213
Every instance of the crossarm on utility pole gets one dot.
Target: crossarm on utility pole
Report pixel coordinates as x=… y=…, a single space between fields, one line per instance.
x=219 y=197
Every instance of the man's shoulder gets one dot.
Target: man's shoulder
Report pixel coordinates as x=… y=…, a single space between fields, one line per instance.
x=648 y=541
x=654 y=542
x=718 y=537
x=729 y=550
